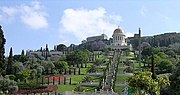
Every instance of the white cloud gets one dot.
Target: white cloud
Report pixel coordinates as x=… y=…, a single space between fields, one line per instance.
x=31 y=14
x=143 y=11
x=83 y=23
x=10 y=11
x=7 y=14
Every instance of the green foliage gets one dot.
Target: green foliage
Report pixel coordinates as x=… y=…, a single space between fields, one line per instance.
x=9 y=69
x=143 y=82
x=61 y=47
x=162 y=55
x=24 y=75
x=87 y=79
x=92 y=69
x=7 y=84
x=128 y=70
x=165 y=65
x=147 y=51
x=99 y=61
x=79 y=89
x=17 y=67
x=62 y=58
x=162 y=40
x=175 y=81
x=31 y=86
x=77 y=57
x=61 y=66
x=2 y=50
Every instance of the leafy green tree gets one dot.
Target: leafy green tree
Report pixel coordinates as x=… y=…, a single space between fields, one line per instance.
x=2 y=50
x=6 y=84
x=49 y=66
x=61 y=47
x=153 y=67
x=143 y=83
x=157 y=60
x=62 y=58
x=165 y=65
x=17 y=67
x=16 y=57
x=175 y=81
x=38 y=69
x=23 y=58
x=92 y=69
x=77 y=57
x=99 y=61
x=61 y=66
x=24 y=75
x=146 y=53
x=162 y=55
x=9 y=69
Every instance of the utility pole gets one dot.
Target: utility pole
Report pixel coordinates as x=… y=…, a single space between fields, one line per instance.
x=139 y=61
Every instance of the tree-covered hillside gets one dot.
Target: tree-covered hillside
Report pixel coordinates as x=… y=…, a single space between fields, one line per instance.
x=162 y=40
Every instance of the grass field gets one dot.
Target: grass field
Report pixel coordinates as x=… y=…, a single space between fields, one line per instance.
x=75 y=79
x=119 y=89
x=121 y=79
x=63 y=88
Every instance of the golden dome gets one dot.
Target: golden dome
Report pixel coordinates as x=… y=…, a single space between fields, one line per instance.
x=118 y=30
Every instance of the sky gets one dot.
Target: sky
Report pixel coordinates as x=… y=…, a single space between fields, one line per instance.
x=31 y=24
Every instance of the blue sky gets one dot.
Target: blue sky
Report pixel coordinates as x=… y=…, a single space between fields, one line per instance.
x=31 y=24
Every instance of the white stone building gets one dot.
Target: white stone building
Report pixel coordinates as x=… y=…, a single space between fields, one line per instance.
x=94 y=38
x=119 y=41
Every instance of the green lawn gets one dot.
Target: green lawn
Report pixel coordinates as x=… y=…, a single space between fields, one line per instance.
x=89 y=89
x=63 y=88
x=96 y=78
x=121 y=79
x=120 y=70
x=119 y=89
x=84 y=71
x=75 y=79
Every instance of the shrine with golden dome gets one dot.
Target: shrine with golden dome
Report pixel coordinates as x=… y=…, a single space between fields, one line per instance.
x=119 y=41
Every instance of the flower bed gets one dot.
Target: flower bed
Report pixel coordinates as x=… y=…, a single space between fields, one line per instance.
x=50 y=88
x=56 y=78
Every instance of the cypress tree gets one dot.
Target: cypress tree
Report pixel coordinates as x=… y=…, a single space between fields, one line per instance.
x=153 y=68
x=2 y=50
x=23 y=58
x=10 y=63
x=22 y=53
x=47 y=52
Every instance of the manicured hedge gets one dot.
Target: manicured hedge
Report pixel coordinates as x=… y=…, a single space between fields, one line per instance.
x=31 y=86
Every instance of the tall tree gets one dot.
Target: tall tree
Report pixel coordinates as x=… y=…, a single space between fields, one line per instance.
x=9 y=69
x=153 y=67
x=61 y=47
x=143 y=83
x=175 y=81
x=47 y=52
x=22 y=53
x=22 y=57
x=2 y=50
